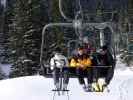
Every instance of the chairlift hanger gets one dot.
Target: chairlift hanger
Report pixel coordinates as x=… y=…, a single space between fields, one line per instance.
x=76 y=23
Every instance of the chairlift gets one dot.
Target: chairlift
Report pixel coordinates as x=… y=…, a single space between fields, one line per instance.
x=77 y=24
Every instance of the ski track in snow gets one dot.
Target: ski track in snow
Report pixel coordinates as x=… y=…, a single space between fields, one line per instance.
x=125 y=92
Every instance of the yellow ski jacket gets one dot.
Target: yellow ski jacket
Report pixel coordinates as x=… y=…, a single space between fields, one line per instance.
x=86 y=62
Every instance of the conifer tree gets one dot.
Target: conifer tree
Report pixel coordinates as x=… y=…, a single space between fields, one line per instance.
x=29 y=18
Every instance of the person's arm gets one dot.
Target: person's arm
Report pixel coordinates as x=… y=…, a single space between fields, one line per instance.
x=52 y=64
x=66 y=62
x=88 y=62
x=73 y=63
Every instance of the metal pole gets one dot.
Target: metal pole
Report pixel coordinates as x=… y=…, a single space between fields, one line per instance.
x=97 y=25
x=113 y=43
x=62 y=13
x=101 y=37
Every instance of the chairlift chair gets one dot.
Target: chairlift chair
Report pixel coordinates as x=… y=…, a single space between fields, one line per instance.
x=78 y=24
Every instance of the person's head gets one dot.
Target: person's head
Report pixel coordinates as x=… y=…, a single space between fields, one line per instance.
x=85 y=40
x=57 y=51
x=80 y=51
x=87 y=45
x=104 y=49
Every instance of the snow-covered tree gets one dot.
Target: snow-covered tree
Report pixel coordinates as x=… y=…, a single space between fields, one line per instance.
x=29 y=18
x=5 y=32
x=1 y=31
x=127 y=55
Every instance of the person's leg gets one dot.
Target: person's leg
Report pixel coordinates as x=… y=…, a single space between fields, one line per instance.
x=110 y=74
x=95 y=69
x=89 y=75
x=95 y=73
x=56 y=73
x=89 y=79
x=66 y=78
x=102 y=79
x=104 y=72
x=79 y=72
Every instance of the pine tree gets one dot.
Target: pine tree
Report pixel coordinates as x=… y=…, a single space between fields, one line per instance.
x=1 y=16
x=29 y=18
x=1 y=31
x=5 y=32
x=127 y=55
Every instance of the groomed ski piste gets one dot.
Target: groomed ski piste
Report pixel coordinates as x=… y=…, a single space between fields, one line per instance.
x=39 y=88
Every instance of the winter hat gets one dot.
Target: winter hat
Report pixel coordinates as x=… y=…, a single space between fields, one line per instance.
x=105 y=47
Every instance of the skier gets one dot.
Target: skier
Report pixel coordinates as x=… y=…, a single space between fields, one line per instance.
x=106 y=59
x=81 y=61
x=105 y=73
x=59 y=64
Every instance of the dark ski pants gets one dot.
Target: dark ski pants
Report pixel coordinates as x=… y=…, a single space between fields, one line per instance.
x=110 y=74
x=81 y=73
x=57 y=73
x=95 y=74
x=107 y=73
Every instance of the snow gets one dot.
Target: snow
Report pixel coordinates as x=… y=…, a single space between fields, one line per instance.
x=6 y=68
x=39 y=88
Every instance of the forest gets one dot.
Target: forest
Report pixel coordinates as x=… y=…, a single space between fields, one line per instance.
x=22 y=21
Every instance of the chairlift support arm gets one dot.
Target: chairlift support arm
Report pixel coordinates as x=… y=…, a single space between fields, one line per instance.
x=62 y=13
x=102 y=26
x=44 y=31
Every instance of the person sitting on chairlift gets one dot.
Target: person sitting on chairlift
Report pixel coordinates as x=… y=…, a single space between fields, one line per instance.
x=81 y=61
x=57 y=63
x=105 y=71
x=106 y=60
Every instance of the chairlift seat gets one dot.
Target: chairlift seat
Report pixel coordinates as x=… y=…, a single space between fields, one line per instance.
x=71 y=71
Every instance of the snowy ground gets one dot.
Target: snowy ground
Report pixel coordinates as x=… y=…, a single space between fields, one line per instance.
x=39 y=88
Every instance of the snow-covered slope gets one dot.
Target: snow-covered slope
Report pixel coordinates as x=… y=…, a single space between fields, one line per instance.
x=39 y=88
